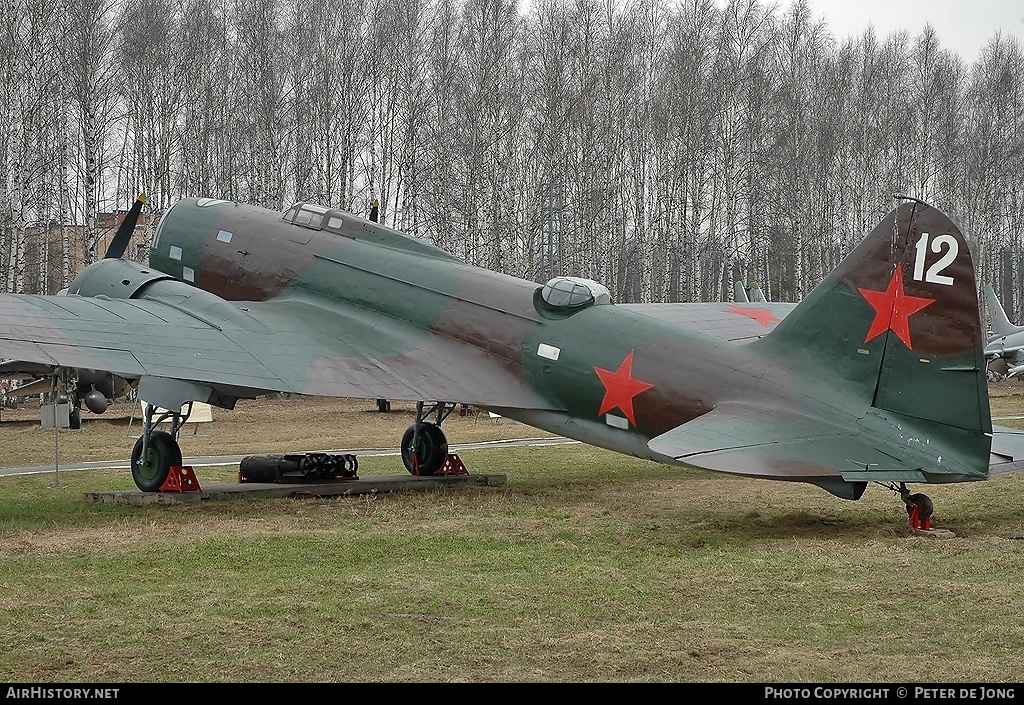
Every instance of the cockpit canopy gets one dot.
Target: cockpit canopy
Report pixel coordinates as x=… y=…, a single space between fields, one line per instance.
x=574 y=293
x=310 y=215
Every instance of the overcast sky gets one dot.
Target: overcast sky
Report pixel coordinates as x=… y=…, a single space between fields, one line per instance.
x=964 y=26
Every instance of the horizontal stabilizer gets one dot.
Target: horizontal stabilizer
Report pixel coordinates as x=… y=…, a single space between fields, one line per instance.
x=737 y=322
x=774 y=443
x=1007 y=454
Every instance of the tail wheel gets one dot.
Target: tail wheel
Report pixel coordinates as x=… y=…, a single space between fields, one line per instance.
x=431 y=448
x=923 y=503
x=163 y=452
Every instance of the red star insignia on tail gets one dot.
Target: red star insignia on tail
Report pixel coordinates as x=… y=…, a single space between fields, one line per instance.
x=893 y=309
x=620 y=388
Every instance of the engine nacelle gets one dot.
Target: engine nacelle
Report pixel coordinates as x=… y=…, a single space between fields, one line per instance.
x=114 y=278
x=122 y=279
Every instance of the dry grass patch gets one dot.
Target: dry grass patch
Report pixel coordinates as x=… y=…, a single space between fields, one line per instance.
x=586 y=566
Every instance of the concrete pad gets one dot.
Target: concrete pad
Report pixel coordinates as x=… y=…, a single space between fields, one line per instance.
x=935 y=533
x=333 y=488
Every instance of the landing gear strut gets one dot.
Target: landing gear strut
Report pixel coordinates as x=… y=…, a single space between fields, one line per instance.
x=71 y=389
x=156 y=451
x=424 y=446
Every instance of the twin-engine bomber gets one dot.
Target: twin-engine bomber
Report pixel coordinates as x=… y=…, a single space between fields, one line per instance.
x=877 y=376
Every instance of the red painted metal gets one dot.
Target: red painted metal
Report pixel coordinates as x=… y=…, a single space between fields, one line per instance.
x=180 y=479
x=453 y=465
x=915 y=518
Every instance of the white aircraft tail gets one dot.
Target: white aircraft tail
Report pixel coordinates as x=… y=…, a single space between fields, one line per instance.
x=1001 y=324
x=745 y=294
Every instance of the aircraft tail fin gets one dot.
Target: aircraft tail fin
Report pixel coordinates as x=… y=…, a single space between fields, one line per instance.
x=739 y=292
x=896 y=327
x=747 y=294
x=1001 y=324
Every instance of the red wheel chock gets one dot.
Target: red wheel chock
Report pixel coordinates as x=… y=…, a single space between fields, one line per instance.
x=453 y=465
x=180 y=479
x=915 y=518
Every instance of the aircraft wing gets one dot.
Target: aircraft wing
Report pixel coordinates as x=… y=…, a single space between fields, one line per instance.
x=758 y=441
x=244 y=349
x=19 y=369
x=736 y=322
x=1005 y=344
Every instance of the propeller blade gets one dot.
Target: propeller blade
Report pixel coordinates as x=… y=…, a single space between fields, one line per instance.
x=119 y=243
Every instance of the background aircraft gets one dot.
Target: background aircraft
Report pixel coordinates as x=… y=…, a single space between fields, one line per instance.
x=1005 y=347
x=877 y=376
x=743 y=292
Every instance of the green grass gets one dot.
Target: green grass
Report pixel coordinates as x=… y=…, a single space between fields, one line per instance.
x=586 y=566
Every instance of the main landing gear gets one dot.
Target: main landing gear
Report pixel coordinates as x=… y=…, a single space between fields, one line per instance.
x=69 y=377
x=424 y=446
x=157 y=451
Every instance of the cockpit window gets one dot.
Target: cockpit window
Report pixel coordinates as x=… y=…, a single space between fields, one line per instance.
x=307 y=215
x=574 y=292
x=315 y=217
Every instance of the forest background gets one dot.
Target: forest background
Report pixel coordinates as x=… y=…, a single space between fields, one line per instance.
x=663 y=148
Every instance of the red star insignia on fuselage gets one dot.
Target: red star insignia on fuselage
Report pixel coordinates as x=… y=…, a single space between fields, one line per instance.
x=893 y=309
x=620 y=388
x=761 y=315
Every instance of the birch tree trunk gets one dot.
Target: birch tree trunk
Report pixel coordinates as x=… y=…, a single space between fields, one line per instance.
x=91 y=66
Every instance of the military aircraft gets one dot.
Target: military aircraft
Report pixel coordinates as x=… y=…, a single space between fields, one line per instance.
x=1005 y=347
x=877 y=376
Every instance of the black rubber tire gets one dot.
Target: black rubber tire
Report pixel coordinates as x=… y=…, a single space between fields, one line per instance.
x=923 y=503
x=162 y=453
x=432 y=450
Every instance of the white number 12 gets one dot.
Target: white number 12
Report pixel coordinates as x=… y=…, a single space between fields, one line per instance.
x=934 y=274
